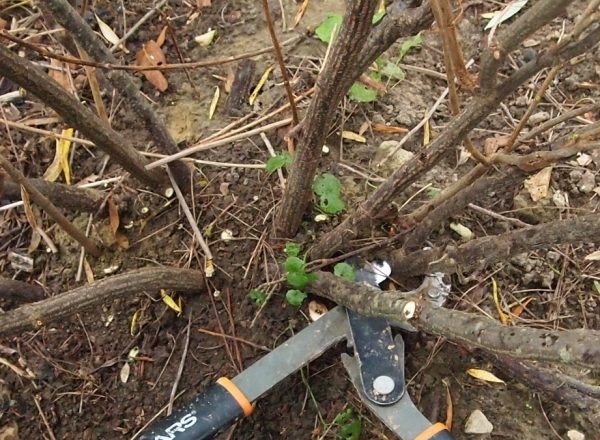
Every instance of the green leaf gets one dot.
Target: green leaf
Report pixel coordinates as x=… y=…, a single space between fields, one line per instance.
x=597 y=286
x=345 y=271
x=352 y=430
x=331 y=24
x=332 y=204
x=297 y=279
x=328 y=188
x=326 y=183
x=392 y=71
x=292 y=249
x=433 y=192
x=361 y=93
x=378 y=16
x=294 y=264
x=258 y=296
x=295 y=297
x=409 y=44
x=283 y=159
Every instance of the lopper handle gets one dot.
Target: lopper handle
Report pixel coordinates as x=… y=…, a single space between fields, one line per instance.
x=205 y=416
x=438 y=431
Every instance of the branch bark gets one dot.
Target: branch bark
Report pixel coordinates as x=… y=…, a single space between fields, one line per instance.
x=50 y=209
x=65 y=196
x=333 y=82
x=33 y=79
x=576 y=347
x=66 y=16
x=42 y=313
x=455 y=132
x=483 y=252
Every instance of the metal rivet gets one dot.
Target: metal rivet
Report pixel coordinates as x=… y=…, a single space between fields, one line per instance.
x=383 y=385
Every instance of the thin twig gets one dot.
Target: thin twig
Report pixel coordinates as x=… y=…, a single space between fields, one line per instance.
x=181 y=365
x=272 y=153
x=192 y=221
x=44 y=419
x=136 y=26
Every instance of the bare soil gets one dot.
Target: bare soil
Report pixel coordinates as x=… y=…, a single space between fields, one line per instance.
x=77 y=392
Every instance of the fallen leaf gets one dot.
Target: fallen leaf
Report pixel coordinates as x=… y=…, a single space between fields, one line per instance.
x=382 y=128
x=300 y=13
x=58 y=72
x=11 y=431
x=89 y=273
x=152 y=55
x=134 y=321
x=520 y=307
x=463 y=231
x=60 y=163
x=3 y=23
x=113 y=215
x=426 y=133
x=169 y=301
x=162 y=37
x=206 y=38
x=36 y=237
x=203 y=3
x=350 y=135
x=492 y=145
x=501 y=16
x=122 y=240
x=259 y=86
x=484 y=375
x=316 y=310
x=214 y=102
x=109 y=34
x=124 y=373
x=594 y=256
x=538 y=184
x=449 y=406
x=501 y=314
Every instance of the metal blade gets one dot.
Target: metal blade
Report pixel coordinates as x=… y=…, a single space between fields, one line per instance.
x=293 y=354
x=402 y=418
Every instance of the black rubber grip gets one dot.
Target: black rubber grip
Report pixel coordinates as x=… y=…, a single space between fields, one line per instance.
x=203 y=418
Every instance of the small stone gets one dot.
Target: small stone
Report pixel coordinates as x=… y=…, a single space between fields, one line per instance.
x=477 y=423
x=396 y=160
x=560 y=200
x=584 y=160
x=575 y=175
x=575 y=435
x=538 y=118
x=587 y=182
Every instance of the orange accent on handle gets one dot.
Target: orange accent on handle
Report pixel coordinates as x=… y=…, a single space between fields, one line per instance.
x=237 y=394
x=431 y=431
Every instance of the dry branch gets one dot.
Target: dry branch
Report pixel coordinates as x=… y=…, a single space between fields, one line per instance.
x=485 y=251
x=34 y=80
x=577 y=347
x=64 y=196
x=455 y=132
x=40 y=200
x=332 y=84
x=67 y=17
x=59 y=307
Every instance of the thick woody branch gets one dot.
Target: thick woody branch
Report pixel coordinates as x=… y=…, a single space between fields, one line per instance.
x=333 y=82
x=455 y=132
x=42 y=313
x=34 y=80
x=67 y=197
x=541 y=13
x=576 y=347
x=483 y=252
x=68 y=17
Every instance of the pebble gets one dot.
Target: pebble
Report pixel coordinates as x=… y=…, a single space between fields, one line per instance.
x=477 y=423
x=575 y=435
x=538 y=118
x=587 y=182
x=396 y=160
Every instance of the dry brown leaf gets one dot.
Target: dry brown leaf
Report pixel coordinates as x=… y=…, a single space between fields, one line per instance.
x=300 y=13
x=449 y=406
x=89 y=273
x=162 y=37
x=152 y=55
x=229 y=80
x=203 y=3
x=594 y=256
x=491 y=145
x=58 y=73
x=122 y=240
x=518 y=309
x=484 y=375
x=9 y=432
x=113 y=215
x=538 y=184
x=382 y=128
x=3 y=24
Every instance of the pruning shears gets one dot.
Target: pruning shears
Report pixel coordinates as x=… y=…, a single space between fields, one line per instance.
x=376 y=370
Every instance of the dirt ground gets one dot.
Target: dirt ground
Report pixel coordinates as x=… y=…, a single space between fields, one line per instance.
x=78 y=391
